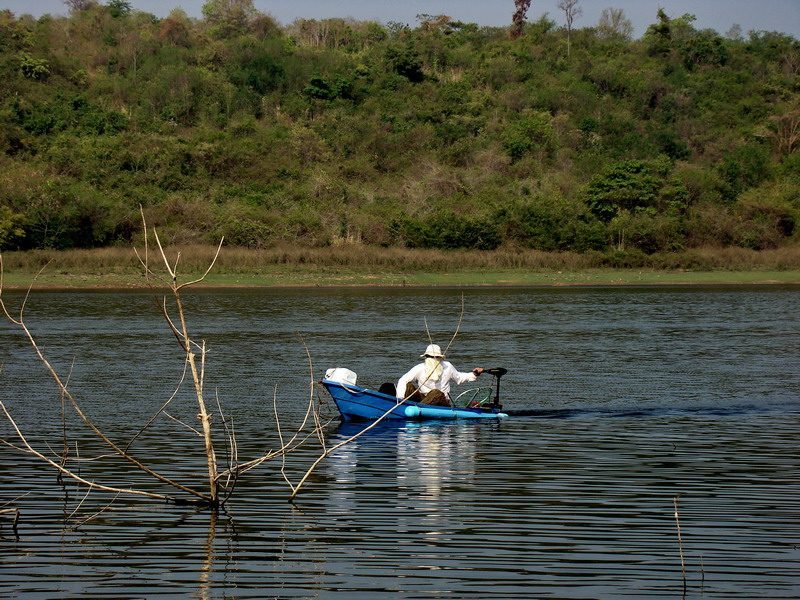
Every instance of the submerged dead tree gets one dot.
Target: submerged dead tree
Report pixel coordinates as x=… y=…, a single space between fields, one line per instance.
x=220 y=482
x=182 y=335
x=181 y=494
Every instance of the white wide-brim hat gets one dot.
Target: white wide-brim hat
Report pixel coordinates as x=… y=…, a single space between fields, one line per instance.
x=432 y=351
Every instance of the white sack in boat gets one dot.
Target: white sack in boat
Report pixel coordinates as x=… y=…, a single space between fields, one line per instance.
x=341 y=375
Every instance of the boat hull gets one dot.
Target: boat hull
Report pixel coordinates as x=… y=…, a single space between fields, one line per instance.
x=362 y=404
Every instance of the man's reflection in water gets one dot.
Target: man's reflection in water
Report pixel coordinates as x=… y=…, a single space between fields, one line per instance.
x=419 y=460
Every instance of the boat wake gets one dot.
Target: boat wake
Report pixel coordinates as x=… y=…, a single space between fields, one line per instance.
x=578 y=412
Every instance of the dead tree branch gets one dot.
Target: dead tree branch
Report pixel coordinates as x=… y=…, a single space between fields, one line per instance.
x=160 y=410
x=13 y=514
x=193 y=363
x=30 y=450
x=106 y=508
x=20 y=322
x=191 y=358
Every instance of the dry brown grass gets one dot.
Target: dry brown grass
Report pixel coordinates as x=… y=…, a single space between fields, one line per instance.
x=731 y=259
x=194 y=258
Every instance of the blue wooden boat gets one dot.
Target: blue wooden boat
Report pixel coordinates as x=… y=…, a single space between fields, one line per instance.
x=356 y=403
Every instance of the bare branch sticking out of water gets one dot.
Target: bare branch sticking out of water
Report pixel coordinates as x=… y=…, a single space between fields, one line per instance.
x=162 y=409
x=191 y=358
x=30 y=450
x=186 y=425
x=298 y=438
x=20 y=322
x=702 y=572
x=312 y=406
x=280 y=436
x=77 y=508
x=232 y=452
x=106 y=508
x=12 y=501
x=181 y=331
x=13 y=514
x=680 y=542
x=65 y=451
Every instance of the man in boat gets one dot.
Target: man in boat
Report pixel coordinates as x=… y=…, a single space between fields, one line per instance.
x=429 y=381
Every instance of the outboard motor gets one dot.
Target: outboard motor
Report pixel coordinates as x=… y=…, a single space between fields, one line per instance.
x=497 y=373
x=484 y=404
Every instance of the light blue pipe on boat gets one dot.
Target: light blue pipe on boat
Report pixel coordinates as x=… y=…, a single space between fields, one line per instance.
x=412 y=412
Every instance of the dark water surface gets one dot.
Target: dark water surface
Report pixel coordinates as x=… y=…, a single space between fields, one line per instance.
x=638 y=396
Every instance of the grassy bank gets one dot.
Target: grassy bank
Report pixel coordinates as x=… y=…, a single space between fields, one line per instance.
x=359 y=265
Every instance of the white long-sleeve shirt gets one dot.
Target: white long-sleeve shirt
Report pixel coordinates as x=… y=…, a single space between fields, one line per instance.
x=420 y=375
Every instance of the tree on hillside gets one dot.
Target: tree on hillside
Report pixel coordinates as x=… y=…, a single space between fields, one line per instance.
x=659 y=35
x=735 y=33
x=436 y=23
x=571 y=10
x=518 y=18
x=229 y=18
x=786 y=127
x=176 y=28
x=405 y=60
x=323 y=33
x=633 y=185
x=118 y=8
x=614 y=24
x=79 y=5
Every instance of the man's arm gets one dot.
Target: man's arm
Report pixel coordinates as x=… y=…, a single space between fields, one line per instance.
x=460 y=377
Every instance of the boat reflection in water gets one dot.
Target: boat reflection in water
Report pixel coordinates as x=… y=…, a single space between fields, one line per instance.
x=427 y=458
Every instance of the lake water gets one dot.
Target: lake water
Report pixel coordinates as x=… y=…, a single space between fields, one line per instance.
x=639 y=396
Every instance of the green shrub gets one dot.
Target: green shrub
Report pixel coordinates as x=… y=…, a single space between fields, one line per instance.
x=405 y=61
x=64 y=113
x=705 y=48
x=671 y=144
x=63 y=214
x=12 y=231
x=768 y=216
x=624 y=186
x=632 y=258
x=702 y=184
x=448 y=231
x=248 y=231
x=533 y=131
x=258 y=69
x=744 y=167
x=320 y=88
x=710 y=224
x=552 y=223
x=789 y=168
x=646 y=231
x=304 y=224
x=37 y=69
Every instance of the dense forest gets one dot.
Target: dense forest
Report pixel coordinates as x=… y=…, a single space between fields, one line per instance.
x=439 y=135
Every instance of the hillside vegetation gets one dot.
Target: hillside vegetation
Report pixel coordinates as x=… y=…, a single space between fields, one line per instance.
x=444 y=135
